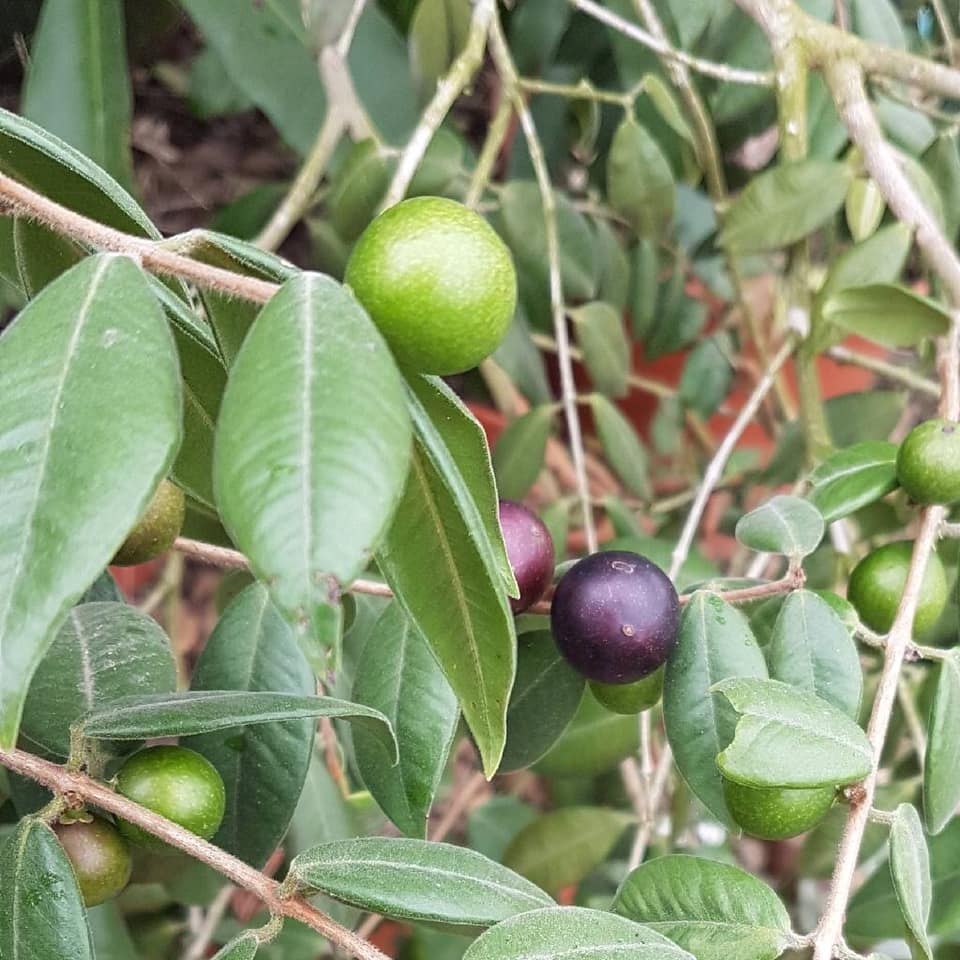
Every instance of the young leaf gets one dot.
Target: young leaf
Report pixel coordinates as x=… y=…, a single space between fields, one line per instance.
x=544 y=699
x=812 y=650
x=518 y=455
x=854 y=477
x=41 y=910
x=715 y=643
x=910 y=870
x=90 y=427
x=790 y=738
x=438 y=32
x=864 y=208
x=243 y=947
x=707 y=374
x=428 y=553
x=253 y=649
x=560 y=848
x=312 y=450
x=644 y=287
x=606 y=351
x=887 y=313
x=103 y=651
x=398 y=675
x=417 y=880
x=572 y=933
x=714 y=910
x=621 y=445
x=359 y=188
x=639 y=181
x=941 y=767
x=784 y=524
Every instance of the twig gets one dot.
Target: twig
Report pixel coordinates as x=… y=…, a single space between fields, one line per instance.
x=496 y=134
x=346 y=35
x=909 y=378
x=197 y=948
x=946 y=30
x=448 y=89
x=61 y=781
x=658 y=785
x=169 y=580
x=584 y=90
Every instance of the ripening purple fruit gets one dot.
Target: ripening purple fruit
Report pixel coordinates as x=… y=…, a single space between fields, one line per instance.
x=529 y=550
x=615 y=617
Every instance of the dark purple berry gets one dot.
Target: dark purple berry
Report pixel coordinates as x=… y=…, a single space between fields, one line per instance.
x=615 y=617
x=529 y=550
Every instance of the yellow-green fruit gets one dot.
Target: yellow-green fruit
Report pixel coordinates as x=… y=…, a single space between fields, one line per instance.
x=100 y=858
x=630 y=698
x=156 y=530
x=877 y=582
x=775 y=813
x=438 y=282
x=928 y=462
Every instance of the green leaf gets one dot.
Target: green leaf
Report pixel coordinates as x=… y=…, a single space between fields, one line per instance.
x=438 y=32
x=595 y=741
x=545 y=698
x=613 y=280
x=942 y=163
x=560 y=848
x=666 y=105
x=715 y=643
x=90 y=427
x=457 y=447
x=621 y=445
x=606 y=351
x=714 y=910
x=941 y=767
x=103 y=651
x=707 y=374
x=312 y=449
x=493 y=825
x=41 y=910
x=910 y=870
x=264 y=766
x=886 y=313
x=243 y=947
x=398 y=676
x=812 y=650
x=359 y=188
x=428 y=553
x=520 y=450
x=572 y=933
x=110 y=935
x=640 y=184
x=784 y=204
x=205 y=711
x=644 y=287
x=864 y=208
x=790 y=738
x=417 y=880
x=878 y=20
x=784 y=524
x=77 y=86
x=103 y=589
x=854 y=477
x=522 y=362
x=41 y=255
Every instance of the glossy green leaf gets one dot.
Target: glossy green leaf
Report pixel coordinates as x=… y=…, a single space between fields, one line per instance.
x=887 y=313
x=41 y=255
x=102 y=590
x=438 y=32
x=264 y=767
x=560 y=848
x=90 y=427
x=812 y=650
x=910 y=870
x=572 y=933
x=603 y=342
x=243 y=947
x=456 y=445
x=398 y=675
x=621 y=445
x=640 y=184
x=205 y=711
x=312 y=450
x=784 y=524
x=784 y=204
x=77 y=86
x=853 y=477
x=707 y=374
x=790 y=738
x=41 y=911
x=418 y=880
x=644 y=287
x=359 y=188
x=520 y=450
x=103 y=651
x=715 y=643
x=864 y=208
x=714 y=910
x=941 y=767
x=545 y=698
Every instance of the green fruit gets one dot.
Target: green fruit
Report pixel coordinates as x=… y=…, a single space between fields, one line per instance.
x=928 y=462
x=177 y=783
x=100 y=857
x=877 y=582
x=437 y=281
x=156 y=529
x=630 y=698
x=775 y=813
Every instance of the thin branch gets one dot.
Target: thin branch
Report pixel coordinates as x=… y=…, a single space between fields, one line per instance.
x=60 y=781
x=707 y=67
x=584 y=90
x=658 y=786
x=346 y=36
x=203 y=937
x=448 y=89
x=946 y=30
x=497 y=132
x=909 y=378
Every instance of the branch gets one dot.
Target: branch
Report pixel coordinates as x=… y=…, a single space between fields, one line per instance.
x=909 y=378
x=60 y=781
